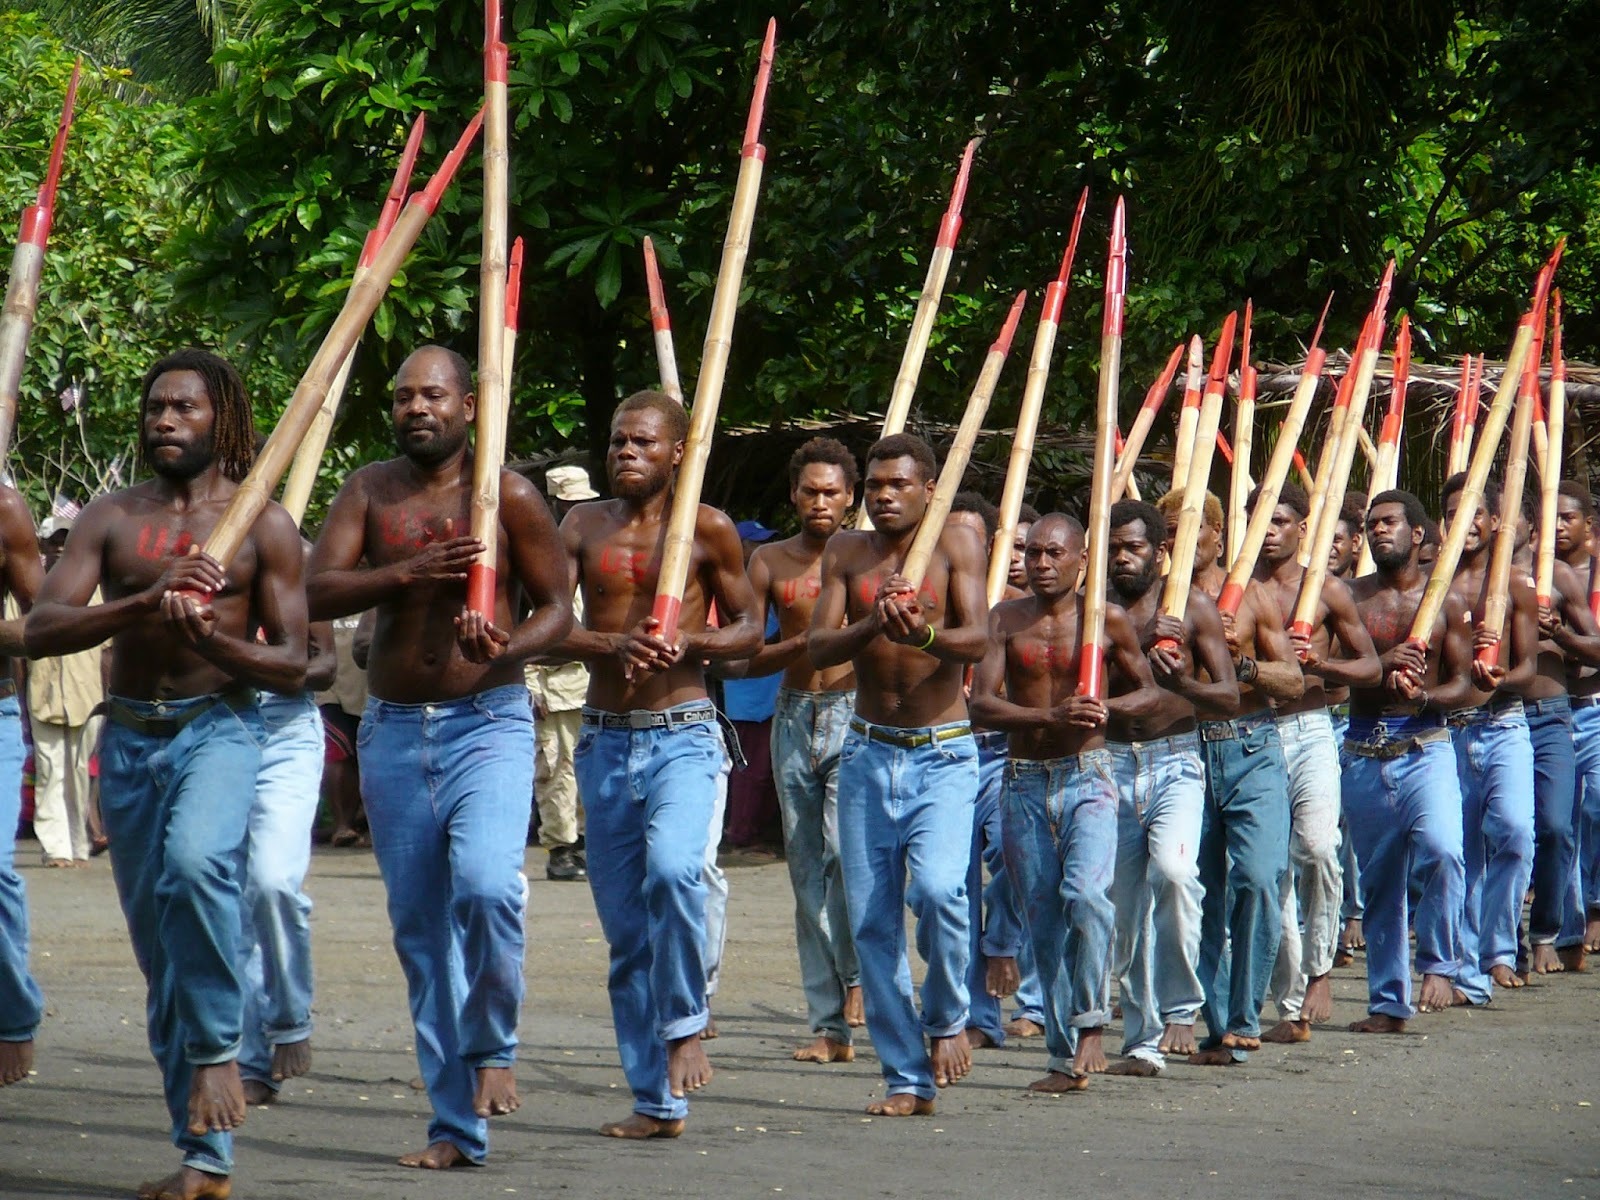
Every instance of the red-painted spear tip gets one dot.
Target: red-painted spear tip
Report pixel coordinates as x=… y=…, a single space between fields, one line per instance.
x=958 y=190
x=401 y=184
x=1002 y=344
x=1223 y=354
x=1316 y=334
x=1158 y=389
x=1072 y=238
x=514 y=285
x=1244 y=348
x=58 y=149
x=758 y=101
x=652 y=282
x=434 y=192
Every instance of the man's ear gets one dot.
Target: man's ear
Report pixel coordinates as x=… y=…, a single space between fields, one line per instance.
x=469 y=405
x=677 y=452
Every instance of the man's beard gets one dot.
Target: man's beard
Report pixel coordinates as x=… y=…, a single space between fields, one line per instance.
x=1391 y=559
x=637 y=487
x=434 y=451
x=1135 y=588
x=191 y=462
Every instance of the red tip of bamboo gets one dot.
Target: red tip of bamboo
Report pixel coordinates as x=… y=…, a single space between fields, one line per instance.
x=660 y=318
x=1300 y=461
x=1119 y=444
x=1092 y=672
x=1558 y=365
x=58 y=148
x=513 y=289
x=480 y=588
x=1541 y=287
x=1489 y=655
x=1223 y=448
x=1002 y=344
x=758 y=101
x=1401 y=368
x=1244 y=346
x=950 y=223
x=1316 y=334
x=1223 y=355
x=1232 y=597
x=1055 y=294
x=666 y=612
x=1116 y=272
x=402 y=176
x=440 y=183
x=1192 y=384
x=1381 y=303
x=1158 y=389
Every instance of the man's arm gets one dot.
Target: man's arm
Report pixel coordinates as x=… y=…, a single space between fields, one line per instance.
x=535 y=553
x=1278 y=674
x=965 y=634
x=323 y=669
x=830 y=641
x=987 y=705
x=1455 y=687
x=23 y=570
x=772 y=657
x=738 y=636
x=1127 y=658
x=1572 y=626
x=1522 y=620
x=1208 y=642
x=1358 y=666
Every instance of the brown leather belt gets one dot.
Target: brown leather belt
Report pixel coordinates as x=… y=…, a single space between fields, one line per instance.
x=170 y=727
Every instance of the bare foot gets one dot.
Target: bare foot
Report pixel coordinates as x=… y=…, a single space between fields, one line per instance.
x=1178 y=1039
x=439 y=1156
x=855 y=1008
x=258 y=1094
x=1091 y=1056
x=902 y=1104
x=640 y=1128
x=1591 y=933
x=1343 y=957
x=825 y=1050
x=1134 y=1068
x=1574 y=958
x=1459 y=999
x=952 y=1059
x=1288 y=1033
x=1024 y=1028
x=977 y=1039
x=1352 y=938
x=1434 y=995
x=16 y=1060
x=1546 y=961
x=1240 y=1041
x=1318 y=1004
x=187 y=1184
x=291 y=1059
x=1378 y=1023
x=216 y=1099
x=497 y=1092
x=1059 y=1083
x=1000 y=977
x=1505 y=977
x=709 y=1033
x=1217 y=1056
x=688 y=1068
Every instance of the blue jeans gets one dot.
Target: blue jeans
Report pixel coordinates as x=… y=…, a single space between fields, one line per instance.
x=1554 y=838
x=1161 y=799
x=1061 y=848
x=275 y=941
x=908 y=810
x=1586 y=896
x=1494 y=768
x=807 y=733
x=649 y=795
x=1244 y=851
x=994 y=914
x=1312 y=887
x=448 y=796
x=21 y=1002
x=1406 y=809
x=1350 y=905
x=176 y=810
x=716 y=881
x=1029 y=1001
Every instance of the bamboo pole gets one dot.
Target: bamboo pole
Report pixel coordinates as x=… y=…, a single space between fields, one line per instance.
x=1550 y=479
x=1386 y=472
x=1044 y=341
x=1369 y=450
x=1128 y=455
x=1091 y=656
x=1133 y=485
x=1541 y=436
x=955 y=462
x=1336 y=429
x=1474 y=409
x=1460 y=440
x=27 y=264
x=1180 y=573
x=359 y=304
x=1284 y=455
x=679 y=543
x=1497 y=593
x=1183 y=447
x=308 y=458
x=661 y=324
x=1243 y=431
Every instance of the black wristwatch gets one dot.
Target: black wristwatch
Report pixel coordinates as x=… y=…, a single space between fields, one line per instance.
x=1246 y=669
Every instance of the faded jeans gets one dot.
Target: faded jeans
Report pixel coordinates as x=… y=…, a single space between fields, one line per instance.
x=994 y=911
x=1583 y=894
x=1554 y=838
x=21 y=1002
x=1313 y=885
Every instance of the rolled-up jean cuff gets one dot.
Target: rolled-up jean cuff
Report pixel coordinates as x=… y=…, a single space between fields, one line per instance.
x=208 y=1164
x=211 y=1058
x=1150 y=1055
x=1060 y=1066
x=1096 y=1019
x=998 y=949
x=288 y=1037
x=921 y=1093
x=18 y=1035
x=944 y=1031
x=500 y=1058
x=684 y=1027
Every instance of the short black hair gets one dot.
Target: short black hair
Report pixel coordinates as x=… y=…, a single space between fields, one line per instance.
x=1126 y=512
x=972 y=502
x=1353 y=512
x=905 y=445
x=1458 y=482
x=824 y=450
x=459 y=366
x=1027 y=514
x=1291 y=495
x=1576 y=490
x=673 y=413
x=1430 y=532
x=1416 y=515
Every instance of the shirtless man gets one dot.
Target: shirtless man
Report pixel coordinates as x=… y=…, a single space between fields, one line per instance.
x=1059 y=797
x=1400 y=782
x=1313 y=886
x=1244 y=842
x=21 y=1002
x=909 y=769
x=1161 y=797
x=1494 y=762
x=651 y=751
x=446 y=744
x=1575 y=526
x=807 y=732
x=181 y=745
x=1343 y=558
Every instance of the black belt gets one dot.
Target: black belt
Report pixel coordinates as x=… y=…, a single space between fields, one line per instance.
x=1226 y=731
x=909 y=739
x=1396 y=747
x=169 y=727
x=1577 y=701
x=644 y=718
x=1504 y=706
x=1550 y=704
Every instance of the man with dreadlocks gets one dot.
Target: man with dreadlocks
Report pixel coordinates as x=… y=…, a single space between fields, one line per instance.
x=182 y=742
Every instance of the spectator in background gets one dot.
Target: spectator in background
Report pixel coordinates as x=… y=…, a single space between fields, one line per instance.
x=62 y=694
x=341 y=707
x=754 y=819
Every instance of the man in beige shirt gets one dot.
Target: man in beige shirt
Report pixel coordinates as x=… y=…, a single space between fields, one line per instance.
x=62 y=695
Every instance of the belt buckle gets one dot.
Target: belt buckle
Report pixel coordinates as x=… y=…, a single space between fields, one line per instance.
x=641 y=720
x=1380 y=735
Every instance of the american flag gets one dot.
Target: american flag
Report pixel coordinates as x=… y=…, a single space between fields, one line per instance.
x=65 y=508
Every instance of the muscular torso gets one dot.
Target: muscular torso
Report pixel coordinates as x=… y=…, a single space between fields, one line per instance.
x=1172 y=715
x=1286 y=592
x=1550 y=669
x=1388 y=613
x=1583 y=680
x=796 y=582
x=1042 y=653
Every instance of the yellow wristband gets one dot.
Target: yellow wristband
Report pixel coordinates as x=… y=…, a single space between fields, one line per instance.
x=932 y=633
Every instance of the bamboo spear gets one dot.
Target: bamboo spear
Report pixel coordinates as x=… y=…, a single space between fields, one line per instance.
x=308 y=458
x=1189 y=416
x=1386 y=473
x=1243 y=430
x=1044 y=341
x=1541 y=436
x=1550 y=480
x=1474 y=409
x=1284 y=455
x=359 y=304
x=1128 y=455
x=661 y=323
x=1460 y=440
x=27 y=263
x=1133 y=485
x=679 y=543
x=955 y=462
x=1336 y=427
x=1091 y=658
x=1497 y=592
x=489 y=444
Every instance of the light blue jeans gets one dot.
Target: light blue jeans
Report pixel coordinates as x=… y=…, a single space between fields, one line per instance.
x=1161 y=799
x=1350 y=905
x=21 y=1002
x=275 y=940
x=1584 y=896
x=1494 y=768
x=994 y=912
x=1061 y=849
x=176 y=810
x=1554 y=837
x=1313 y=886
x=648 y=794
x=908 y=810
x=448 y=793
x=1406 y=809
x=1244 y=851
x=807 y=733
x=1029 y=1000
x=716 y=881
